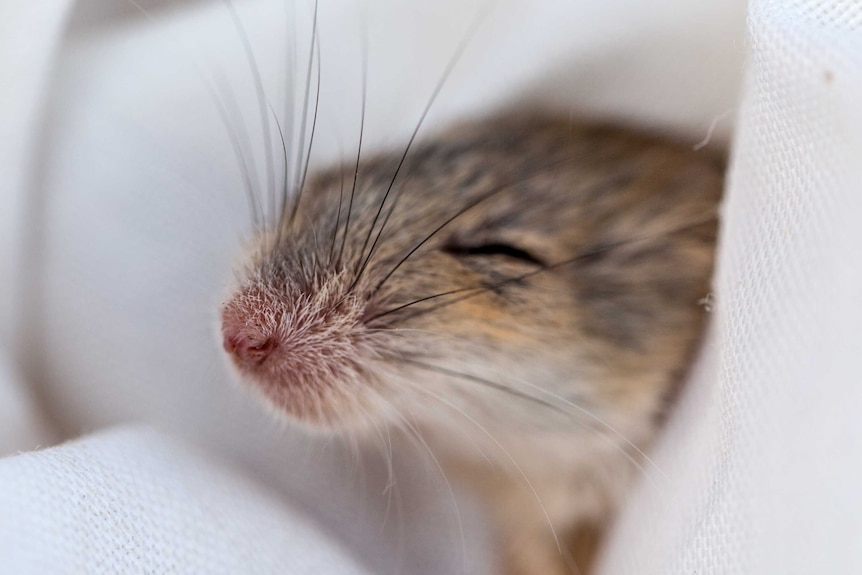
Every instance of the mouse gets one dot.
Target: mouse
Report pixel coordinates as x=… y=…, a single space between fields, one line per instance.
x=522 y=292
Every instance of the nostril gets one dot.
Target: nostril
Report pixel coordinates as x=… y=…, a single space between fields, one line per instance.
x=246 y=349
x=262 y=348
x=231 y=342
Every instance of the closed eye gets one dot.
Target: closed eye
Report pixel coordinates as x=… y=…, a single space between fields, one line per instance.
x=493 y=250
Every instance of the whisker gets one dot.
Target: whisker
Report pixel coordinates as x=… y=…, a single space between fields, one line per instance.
x=234 y=137
x=289 y=107
x=449 y=488
x=450 y=66
x=304 y=120
x=581 y=409
x=261 y=98
x=407 y=329
x=374 y=245
x=386 y=453
x=477 y=379
x=285 y=166
x=508 y=455
x=364 y=48
x=467 y=208
x=392 y=491
x=228 y=111
x=614 y=431
x=426 y=298
x=313 y=128
x=338 y=214
x=592 y=253
x=415 y=434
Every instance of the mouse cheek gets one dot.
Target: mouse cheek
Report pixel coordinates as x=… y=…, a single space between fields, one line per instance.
x=482 y=321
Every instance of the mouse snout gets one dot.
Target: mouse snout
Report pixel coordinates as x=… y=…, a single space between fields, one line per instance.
x=297 y=347
x=250 y=328
x=246 y=347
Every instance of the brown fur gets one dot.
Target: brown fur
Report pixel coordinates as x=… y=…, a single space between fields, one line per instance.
x=535 y=376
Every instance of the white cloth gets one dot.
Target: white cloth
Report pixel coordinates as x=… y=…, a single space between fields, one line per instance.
x=123 y=204
x=762 y=458
x=26 y=60
x=135 y=502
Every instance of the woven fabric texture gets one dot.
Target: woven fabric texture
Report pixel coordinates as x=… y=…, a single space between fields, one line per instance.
x=759 y=463
x=121 y=215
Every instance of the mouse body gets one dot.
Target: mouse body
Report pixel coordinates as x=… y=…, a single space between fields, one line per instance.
x=520 y=294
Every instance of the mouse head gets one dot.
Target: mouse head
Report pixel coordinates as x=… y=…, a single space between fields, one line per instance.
x=510 y=266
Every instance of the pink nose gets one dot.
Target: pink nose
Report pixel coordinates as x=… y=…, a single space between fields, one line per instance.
x=247 y=349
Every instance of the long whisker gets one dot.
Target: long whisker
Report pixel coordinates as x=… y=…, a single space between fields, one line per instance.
x=358 y=469
x=566 y=402
x=364 y=49
x=508 y=455
x=427 y=298
x=501 y=387
x=484 y=197
x=228 y=112
x=374 y=245
x=261 y=99
x=289 y=109
x=473 y=292
x=481 y=380
x=304 y=120
x=385 y=448
x=391 y=490
x=450 y=66
x=414 y=433
x=338 y=214
x=284 y=154
x=313 y=129
x=610 y=428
